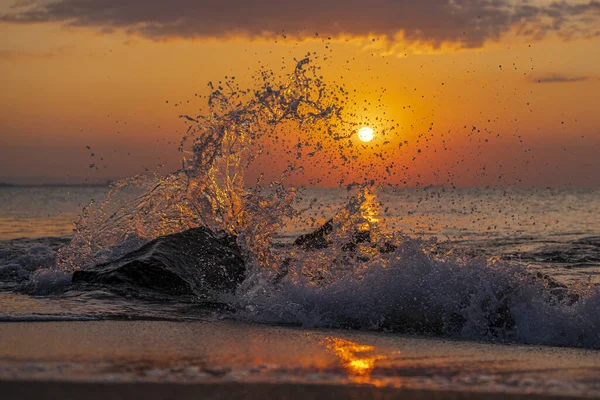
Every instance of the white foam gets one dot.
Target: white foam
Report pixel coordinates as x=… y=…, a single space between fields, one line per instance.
x=48 y=280
x=413 y=291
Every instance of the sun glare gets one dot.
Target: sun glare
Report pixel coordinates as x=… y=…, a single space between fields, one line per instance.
x=365 y=134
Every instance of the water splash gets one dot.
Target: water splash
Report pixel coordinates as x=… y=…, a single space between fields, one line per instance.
x=413 y=289
x=209 y=190
x=350 y=273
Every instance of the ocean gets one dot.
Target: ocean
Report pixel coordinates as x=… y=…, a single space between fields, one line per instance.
x=290 y=342
x=553 y=231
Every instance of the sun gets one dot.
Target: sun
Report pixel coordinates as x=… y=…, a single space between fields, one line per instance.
x=365 y=134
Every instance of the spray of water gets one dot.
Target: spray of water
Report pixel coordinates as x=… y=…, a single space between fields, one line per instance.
x=235 y=129
x=350 y=273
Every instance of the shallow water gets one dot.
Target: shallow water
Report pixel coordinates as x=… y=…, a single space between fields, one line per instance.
x=242 y=357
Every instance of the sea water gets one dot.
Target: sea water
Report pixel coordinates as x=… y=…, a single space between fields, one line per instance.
x=548 y=230
x=500 y=263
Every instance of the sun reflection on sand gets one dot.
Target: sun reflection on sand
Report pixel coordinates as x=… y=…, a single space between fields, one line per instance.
x=358 y=359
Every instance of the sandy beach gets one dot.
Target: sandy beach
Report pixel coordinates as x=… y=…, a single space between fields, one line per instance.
x=152 y=391
x=223 y=359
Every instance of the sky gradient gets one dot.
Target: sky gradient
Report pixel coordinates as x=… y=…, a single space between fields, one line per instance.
x=486 y=92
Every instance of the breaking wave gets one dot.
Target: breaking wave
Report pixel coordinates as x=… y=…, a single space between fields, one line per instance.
x=349 y=273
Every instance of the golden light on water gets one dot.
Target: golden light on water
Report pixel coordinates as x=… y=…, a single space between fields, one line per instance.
x=370 y=209
x=366 y=134
x=359 y=360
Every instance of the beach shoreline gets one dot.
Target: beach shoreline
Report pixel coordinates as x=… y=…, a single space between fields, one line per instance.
x=35 y=390
x=226 y=359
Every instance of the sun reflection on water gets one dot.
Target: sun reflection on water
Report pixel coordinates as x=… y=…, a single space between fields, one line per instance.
x=358 y=359
x=370 y=208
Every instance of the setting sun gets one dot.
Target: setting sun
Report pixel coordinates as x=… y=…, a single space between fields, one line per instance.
x=365 y=134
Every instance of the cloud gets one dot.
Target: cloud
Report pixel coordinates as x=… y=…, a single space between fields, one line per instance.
x=458 y=23
x=559 y=78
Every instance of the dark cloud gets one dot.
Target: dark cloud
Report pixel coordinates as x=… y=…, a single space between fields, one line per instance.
x=559 y=78
x=462 y=23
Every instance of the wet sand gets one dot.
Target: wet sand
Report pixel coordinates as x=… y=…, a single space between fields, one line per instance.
x=222 y=359
x=155 y=391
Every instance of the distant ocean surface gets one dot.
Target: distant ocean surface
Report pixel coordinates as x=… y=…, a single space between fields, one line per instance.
x=36 y=211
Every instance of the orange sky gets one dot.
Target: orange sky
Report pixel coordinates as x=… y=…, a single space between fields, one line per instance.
x=533 y=98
